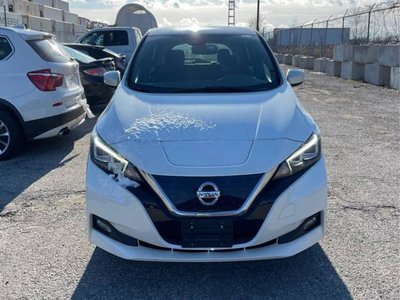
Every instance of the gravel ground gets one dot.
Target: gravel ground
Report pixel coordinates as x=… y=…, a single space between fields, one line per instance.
x=44 y=252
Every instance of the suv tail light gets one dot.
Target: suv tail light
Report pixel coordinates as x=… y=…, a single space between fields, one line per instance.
x=96 y=71
x=46 y=81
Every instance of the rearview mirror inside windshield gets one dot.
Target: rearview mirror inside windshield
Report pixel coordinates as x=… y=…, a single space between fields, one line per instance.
x=204 y=49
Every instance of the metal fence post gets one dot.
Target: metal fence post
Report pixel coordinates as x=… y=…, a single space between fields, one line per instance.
x=326 y=33
x=299 y=45
x=344 y=16
x=292 y=38
x=311 y=36
x=369 y=21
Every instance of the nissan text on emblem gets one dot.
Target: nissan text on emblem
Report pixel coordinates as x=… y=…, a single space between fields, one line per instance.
x=208 y=193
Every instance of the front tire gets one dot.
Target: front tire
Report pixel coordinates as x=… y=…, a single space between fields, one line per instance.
x=10 y=136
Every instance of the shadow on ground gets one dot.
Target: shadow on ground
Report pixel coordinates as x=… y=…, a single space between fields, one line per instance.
x=36 y=160
x=308 y=275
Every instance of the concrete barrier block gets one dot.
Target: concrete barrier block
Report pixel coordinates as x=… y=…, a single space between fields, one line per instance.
x=367 y=54
x=320 y=64
x=279 y=57
x=352 y=71
x=306 y=62
x=333 y=68
x=395 y=78
x=287 y=59
x=343 y=53
x=389 y=55
x=295 y=60
x=376 y=74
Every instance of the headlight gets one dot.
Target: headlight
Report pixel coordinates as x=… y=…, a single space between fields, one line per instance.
x=304 y=157
x=110 y=161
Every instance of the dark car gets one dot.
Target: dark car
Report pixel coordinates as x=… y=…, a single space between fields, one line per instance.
x=99 y=52
x=92 y=76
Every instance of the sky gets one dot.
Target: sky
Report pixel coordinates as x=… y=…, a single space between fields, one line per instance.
x=274 y=13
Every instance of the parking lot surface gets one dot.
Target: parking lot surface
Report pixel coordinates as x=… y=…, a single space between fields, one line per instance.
x=44 y=251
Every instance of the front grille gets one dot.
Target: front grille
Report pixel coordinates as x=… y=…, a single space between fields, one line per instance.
x=245 y=226
x=182 y=191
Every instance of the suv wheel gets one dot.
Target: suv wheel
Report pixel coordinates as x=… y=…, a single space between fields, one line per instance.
x=10 y=136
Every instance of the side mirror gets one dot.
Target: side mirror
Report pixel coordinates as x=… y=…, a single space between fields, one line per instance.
x=112 y=78
x=295 y=76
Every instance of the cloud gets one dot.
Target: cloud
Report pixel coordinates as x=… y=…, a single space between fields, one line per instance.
x=214 y=12
x=186 y=22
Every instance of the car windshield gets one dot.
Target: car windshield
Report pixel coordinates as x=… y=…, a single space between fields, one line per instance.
x=196 y=63
x=78 y=55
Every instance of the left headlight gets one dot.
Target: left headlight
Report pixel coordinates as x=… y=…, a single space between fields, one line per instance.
x=110 y=161
x=301 y=159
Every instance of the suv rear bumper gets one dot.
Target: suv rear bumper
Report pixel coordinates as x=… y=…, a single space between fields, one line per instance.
x=52 y=126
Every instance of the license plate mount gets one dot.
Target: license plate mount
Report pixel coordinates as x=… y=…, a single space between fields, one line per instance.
x=207 y=233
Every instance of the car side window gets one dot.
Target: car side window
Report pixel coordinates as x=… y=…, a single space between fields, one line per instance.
x=94 y=38
x=5 y=48
x=116 y=38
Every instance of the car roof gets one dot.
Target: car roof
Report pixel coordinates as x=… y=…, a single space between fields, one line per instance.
x=28 y=34
x=113 y=28
x=202 y=30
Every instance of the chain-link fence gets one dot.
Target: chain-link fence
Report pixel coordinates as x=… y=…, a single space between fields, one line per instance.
x=375 y=24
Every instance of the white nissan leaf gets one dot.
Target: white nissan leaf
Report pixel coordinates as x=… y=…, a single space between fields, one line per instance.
x=205 y=154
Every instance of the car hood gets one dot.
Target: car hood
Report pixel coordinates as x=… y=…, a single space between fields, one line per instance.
x=202 y=130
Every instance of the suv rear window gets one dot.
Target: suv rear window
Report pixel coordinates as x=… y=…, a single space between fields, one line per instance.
x=49 y=50
x=5 y=48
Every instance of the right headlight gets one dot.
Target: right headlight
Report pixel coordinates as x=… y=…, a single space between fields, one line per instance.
x=301 y=159
x=110 y=161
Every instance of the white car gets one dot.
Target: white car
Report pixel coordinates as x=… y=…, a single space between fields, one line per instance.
x=123 y=40
x=205 y=154
x=41 y=94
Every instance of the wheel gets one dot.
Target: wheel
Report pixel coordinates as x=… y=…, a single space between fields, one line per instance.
x=10 y=136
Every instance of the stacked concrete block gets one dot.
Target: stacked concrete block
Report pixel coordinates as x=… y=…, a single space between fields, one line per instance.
x=367 y=54
x=306 y=62
x=23 y=7
x=70 y=17
x=352 y=71
x=60 y=4
x=12 y=19
x=37 y=23
x=279 y=57
x=68 y=35
x=51 y=13
x=389 y=56
x=287 y=59
x=377 y=74
x=295 y=60
x=395 y=78
x=44 y=2
x=79 y=30
x=320 y=64
x=333 y=68
x=343 y=53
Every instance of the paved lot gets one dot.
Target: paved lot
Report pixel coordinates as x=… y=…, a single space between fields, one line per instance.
x=44 y=252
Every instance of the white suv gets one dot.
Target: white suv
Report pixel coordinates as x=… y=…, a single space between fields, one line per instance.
x=40 y=91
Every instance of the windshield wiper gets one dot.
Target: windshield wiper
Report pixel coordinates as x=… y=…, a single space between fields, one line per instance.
x=213 y=89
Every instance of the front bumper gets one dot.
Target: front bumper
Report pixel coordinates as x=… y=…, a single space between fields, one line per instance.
x=107 y=199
